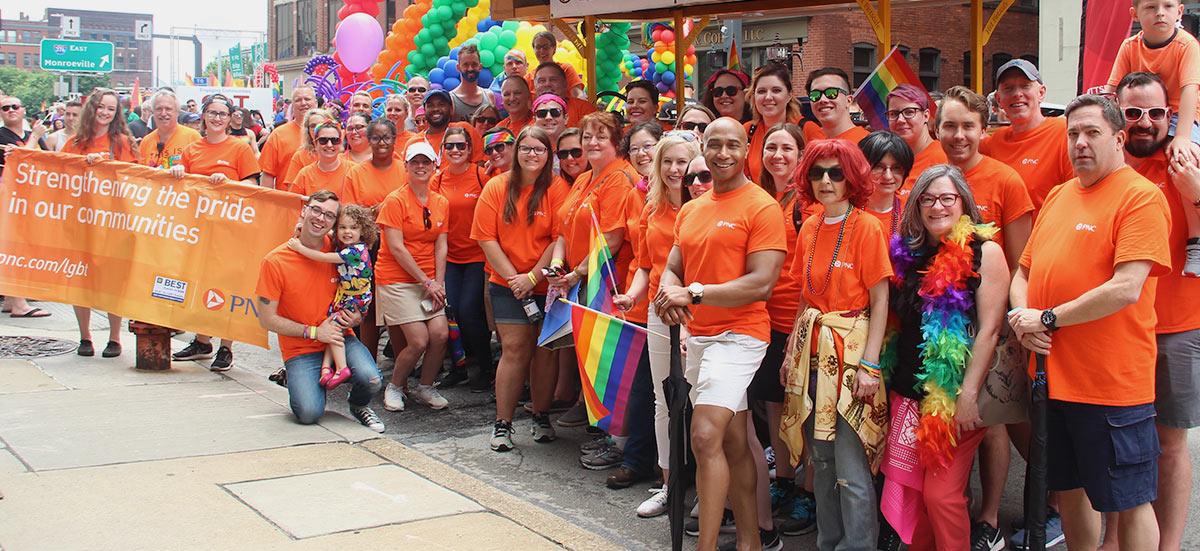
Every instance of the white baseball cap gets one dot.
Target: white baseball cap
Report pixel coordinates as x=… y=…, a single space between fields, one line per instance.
x=419 y=148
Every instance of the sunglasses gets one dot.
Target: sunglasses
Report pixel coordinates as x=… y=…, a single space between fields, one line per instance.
x=418 y=90
x=694 y=126
x=575 y=153
x=425 y=214
x=495 y=148
x=835 y=173
x=829 y=93
x=486 y=120
x=329 y=140
x=548 y=113
x=946 y=199
x=718 y=91
x=1134 y=114
x=704 y=177
x=12 y=107
x=455 y=146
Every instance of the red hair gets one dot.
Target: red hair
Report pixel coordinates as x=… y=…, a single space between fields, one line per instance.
x=858 y=182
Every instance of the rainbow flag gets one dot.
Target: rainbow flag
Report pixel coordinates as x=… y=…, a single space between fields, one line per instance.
x=872 y=95
x=608 y=350
x=601 y=285
x=135 y=97
x=734 y=62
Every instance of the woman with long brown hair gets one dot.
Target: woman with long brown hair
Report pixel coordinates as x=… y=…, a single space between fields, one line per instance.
x=514 y=224
x=771 y=104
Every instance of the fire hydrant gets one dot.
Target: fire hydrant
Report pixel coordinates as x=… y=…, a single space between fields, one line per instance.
x=153 y=346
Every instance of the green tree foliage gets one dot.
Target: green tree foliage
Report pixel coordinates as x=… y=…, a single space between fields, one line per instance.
x=34 y=87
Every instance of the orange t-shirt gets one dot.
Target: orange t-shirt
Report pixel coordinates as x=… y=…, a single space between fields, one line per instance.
x=785 y=297
x=890 y=220
x=1177 y=62
x=301 y=159
x=403 y=211
x=368 y=186
x=1174 y=290
x=100 y=144
x=312 y=179
x=232 y=157
x=1079 y=239
x=172 y=151
x=277 y=152
x=999 y=193
x=515 y=126
x=523 y=243
x=657 y=236
x=302 y=287
x=462 y=190
x=435 y=140
x=933 y=154
x=1039 y=156
x=601 y=193
x=756 y=136
x=862 y=262
x=715 y=233
x=813 y=131
x=626 y=262
x=576 y=109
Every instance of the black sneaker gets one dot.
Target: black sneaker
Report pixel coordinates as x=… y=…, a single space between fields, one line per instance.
x=367 y=417
x=223 y=361
x=195 y=351
x=85 y=348
x=453 y=378
x=111 y=350
x=769 y=538
x=889 y=540
x=279 y=377
x=985 y=538
x=692 y=526
x=606 y=458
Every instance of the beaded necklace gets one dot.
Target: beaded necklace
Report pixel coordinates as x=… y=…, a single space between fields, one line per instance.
x=812 y=252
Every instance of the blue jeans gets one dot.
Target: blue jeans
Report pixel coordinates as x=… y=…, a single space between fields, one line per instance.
x=464 y=294
x=305 y=393
x=641 y=448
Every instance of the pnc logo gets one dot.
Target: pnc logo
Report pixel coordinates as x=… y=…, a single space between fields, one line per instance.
x=1033 y=162
x=842 y=264
x=1085 y=227
x=724 y=224
x=214 y=299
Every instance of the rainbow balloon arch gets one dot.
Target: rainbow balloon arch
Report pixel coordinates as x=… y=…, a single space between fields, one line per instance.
x=426 y=39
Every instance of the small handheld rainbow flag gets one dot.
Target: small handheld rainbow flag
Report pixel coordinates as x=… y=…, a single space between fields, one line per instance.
x=601 y=285
x=734 y=62
x=872 y=95
x=608 y=351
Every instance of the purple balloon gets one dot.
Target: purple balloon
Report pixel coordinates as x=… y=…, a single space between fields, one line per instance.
x=359 y=39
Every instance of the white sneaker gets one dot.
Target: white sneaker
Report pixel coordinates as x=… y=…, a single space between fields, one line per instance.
x=429 y=396
x=393 y=398
x=655 y=505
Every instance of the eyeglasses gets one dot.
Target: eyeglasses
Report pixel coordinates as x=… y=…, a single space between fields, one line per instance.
x=694 y=126
x=835 y=173
x=548 y=113
x=418 y=90
x=896 y=171
x=495 y=148
x=946 y=199
x=718 y=91
x=1134 y=114
x=425 y=217
x=216 y=114
x=704 y=177
x=573 y=153
x=830 y=93
x=527 y=149
x=640 y=150
x=329 y=140
x=11 y=107
x=322 y=213
x=356 y=128
x=381 y=139
x=909 y=113
x=455 y=146
x=486 y=120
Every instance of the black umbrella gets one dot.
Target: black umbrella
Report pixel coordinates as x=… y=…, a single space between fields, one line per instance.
x=676 y=390
x=1035 y=471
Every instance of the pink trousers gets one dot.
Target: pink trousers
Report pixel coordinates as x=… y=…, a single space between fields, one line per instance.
x=943 y=521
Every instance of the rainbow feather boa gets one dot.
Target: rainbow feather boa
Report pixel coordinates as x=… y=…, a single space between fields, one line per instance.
x=945 y=319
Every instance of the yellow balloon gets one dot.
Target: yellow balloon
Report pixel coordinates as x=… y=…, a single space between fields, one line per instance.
x=655 y=57
x=668 y=57
x=689 y=69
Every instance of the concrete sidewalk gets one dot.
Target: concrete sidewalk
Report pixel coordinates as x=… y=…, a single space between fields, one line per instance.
x=96 y=455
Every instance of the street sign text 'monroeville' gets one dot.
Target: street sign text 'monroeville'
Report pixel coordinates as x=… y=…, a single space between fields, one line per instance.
x=76 y=56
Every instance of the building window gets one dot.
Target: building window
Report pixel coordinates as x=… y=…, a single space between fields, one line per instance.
x=929 y=68
x=285 y=31
x=306 y=15
x=28 y=60
x=864 y=62
x=998 y=59
x=331 y=20
x=389 y=14
x=1031 y=58
x=12 y=59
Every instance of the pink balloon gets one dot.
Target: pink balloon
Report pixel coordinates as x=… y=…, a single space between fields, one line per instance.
x=359 y=39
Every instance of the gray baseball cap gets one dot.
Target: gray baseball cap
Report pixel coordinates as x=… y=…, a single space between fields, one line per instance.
x=1028 y=69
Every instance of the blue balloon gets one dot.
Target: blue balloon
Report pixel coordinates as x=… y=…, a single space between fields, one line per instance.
x=454 y=53
x=436 y=75
x=483 y=24
x=668 y=78
x=441 y=62
x=485 y=77
x=451 y=68
x=450 y=83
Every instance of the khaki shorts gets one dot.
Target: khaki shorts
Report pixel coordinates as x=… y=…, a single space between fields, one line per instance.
x=400 y=303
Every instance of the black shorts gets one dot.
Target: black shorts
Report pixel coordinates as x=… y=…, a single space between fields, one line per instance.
x=1109 y=451
x=765 y=385
x=507 y=309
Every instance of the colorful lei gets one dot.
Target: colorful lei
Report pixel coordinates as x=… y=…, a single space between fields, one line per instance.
x=946 y=303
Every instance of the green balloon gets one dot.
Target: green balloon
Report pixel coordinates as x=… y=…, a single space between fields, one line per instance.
x=428 y=50
x=508 y=38
x=487 y=58
x=510 y=26
x=441 y=44
x=435 y=30
x=416 y=59
x=499 y=54
x=488 y=41
x=660 y=67
x=445 y=13
x=459 y=8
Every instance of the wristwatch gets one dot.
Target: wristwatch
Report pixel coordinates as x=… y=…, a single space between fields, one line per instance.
x=1049 y=319
x=697 y=291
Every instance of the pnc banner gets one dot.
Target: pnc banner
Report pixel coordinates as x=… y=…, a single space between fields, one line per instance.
x=135 y=241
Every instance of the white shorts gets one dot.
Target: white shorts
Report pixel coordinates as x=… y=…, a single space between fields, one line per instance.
x=720 y=369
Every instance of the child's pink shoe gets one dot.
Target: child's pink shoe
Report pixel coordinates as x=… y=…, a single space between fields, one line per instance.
x=338 y=378
x=326 y=375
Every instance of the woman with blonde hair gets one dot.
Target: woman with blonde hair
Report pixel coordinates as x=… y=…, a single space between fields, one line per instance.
x=306 y=154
